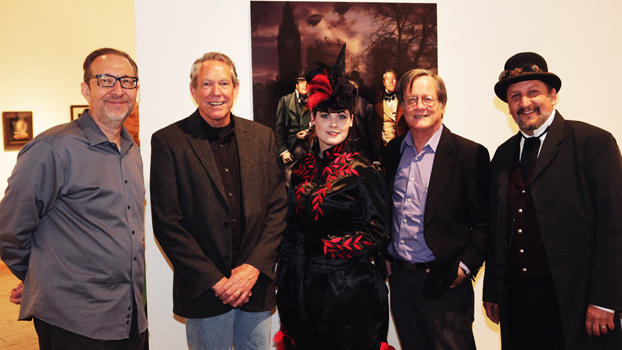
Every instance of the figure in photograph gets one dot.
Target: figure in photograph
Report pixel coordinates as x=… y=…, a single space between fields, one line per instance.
x=330 y=294
x=72 y=220
x=553 y=273
x=20 y=128
x=365 y=131
x=439 y=185
x=218 y=206
x=292 y=125
x=389 y=108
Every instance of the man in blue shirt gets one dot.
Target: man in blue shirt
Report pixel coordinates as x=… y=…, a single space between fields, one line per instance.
x=439 y=185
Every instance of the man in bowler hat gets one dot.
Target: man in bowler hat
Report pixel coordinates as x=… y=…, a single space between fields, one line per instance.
x=553 y=273
x=292 y=125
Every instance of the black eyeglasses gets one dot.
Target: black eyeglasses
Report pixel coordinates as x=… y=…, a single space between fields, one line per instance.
x=105 y=80
x=527 y=68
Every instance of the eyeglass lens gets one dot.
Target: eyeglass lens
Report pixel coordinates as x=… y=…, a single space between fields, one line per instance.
x=105 y=80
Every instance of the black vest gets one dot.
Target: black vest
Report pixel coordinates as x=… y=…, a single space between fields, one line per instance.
x=526 y=254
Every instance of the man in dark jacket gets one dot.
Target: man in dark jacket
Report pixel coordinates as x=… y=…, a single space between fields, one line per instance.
x=553 y=273
x=292 y=125
x=218 y=202
x=438 y=183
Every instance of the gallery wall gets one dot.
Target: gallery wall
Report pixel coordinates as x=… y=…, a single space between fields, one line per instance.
x=582 y=43
x=42 y=47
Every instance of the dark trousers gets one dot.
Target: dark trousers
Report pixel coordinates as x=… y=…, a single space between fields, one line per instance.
x=56 y=338
x=533 y=312
x=443 y=324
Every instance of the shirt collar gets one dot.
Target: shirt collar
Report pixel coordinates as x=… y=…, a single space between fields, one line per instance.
x=96 y=136
x=432 y=142
x=542 y=128
x=218 y=133
x=91 y=130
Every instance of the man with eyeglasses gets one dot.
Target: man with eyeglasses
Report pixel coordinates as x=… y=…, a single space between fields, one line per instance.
x=439 y=184
x=71 y=220
x=553 y=273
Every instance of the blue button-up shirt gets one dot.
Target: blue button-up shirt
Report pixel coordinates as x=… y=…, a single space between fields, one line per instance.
x=410 y=191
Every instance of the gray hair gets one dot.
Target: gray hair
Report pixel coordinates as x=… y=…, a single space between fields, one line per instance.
x=213 y=56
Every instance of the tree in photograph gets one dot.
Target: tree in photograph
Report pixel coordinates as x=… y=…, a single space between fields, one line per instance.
x=406 y=37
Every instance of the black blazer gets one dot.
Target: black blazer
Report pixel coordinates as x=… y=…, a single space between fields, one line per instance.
x=456 y=210
x=577 y=195
x=190 y=213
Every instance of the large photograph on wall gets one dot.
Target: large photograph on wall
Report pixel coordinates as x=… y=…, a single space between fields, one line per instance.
x=288 y=38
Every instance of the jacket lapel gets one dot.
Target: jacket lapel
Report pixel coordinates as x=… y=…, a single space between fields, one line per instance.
x=294 y=109
x=549 y=150
x=248 y=160
x=197 y=139
x=502 y=163
x=441 y=171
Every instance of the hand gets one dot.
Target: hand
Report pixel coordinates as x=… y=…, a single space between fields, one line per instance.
x=287 y=157
x=236 y=290
x=492 y=311
x=595 y=318
x=459 y=279
x=388 y=264
x=16 y=294
x=302 y=134
x=219 y=287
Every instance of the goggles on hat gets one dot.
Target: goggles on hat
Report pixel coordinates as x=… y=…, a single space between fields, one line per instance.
x=527 y=68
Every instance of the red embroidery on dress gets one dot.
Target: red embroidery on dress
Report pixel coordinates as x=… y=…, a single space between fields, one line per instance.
x=339 y=165
x=342 y=248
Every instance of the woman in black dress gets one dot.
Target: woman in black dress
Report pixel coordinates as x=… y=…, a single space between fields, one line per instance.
x=330 y=294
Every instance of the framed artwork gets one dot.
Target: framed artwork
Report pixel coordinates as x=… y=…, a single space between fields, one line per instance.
x=17 y=128
x=76 y=110
x=288 y=38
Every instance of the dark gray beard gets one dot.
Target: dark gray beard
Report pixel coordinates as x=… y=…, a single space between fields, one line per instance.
x=524 y=127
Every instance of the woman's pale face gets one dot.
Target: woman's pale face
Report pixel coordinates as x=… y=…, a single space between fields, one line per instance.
x=331 y=128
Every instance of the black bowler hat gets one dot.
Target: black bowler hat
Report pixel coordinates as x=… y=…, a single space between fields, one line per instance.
x=525 y=66
x=301 y=74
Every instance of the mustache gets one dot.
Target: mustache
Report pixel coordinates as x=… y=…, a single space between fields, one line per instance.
x=522 y=110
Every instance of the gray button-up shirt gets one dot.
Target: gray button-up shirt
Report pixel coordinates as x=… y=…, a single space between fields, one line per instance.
x=72 y=228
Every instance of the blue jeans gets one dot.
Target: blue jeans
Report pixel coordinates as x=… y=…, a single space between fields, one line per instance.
x=431 y=324
x=247 y=330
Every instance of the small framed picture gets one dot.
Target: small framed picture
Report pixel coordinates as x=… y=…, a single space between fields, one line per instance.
x=17 y=129
x=76 y=110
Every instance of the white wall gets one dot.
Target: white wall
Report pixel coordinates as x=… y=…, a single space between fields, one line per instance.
x=42 y=47
x=582 y=43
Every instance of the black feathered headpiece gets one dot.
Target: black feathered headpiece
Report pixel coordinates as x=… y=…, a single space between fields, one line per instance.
x=329 y=90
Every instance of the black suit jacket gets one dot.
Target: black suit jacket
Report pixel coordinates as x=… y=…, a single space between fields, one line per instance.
x=456 y=210
x=191 y=217
x=577 y=195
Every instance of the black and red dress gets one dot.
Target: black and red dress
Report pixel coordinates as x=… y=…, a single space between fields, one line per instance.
x=330 y=294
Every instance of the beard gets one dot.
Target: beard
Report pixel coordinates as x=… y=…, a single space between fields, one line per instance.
x=531 y=125
x=111 y=115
